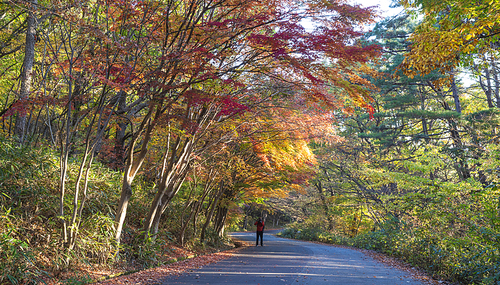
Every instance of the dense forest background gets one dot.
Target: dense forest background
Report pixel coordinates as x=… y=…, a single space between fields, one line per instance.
x=128 y=127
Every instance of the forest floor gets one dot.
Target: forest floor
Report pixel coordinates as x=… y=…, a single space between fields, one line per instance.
x=176 y=259
x=154 y=275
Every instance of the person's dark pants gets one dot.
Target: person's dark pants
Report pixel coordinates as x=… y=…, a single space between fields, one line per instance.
x=261 y=235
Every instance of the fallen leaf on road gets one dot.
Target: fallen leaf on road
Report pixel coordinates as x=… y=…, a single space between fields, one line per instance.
x=155 y=275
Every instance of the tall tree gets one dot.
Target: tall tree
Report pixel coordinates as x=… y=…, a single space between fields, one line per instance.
x=451 y=30
x=248 y=38
x=27 y=70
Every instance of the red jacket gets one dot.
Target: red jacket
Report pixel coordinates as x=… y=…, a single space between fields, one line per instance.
x=260 y=226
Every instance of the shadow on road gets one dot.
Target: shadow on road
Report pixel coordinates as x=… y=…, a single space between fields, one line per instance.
x=283 y=261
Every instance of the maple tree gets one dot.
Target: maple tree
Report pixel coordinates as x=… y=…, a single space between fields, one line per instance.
x=152 y=88
x=257 y=159
x=166 y=120
x=451 y=31
x=250 y=44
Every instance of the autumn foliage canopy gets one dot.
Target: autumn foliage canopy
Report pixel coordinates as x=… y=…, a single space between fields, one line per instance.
x=229 y=91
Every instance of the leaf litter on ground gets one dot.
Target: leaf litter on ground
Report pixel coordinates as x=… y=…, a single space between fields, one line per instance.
x=155 y=275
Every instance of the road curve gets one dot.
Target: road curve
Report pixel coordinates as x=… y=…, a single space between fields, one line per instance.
x=283 y=261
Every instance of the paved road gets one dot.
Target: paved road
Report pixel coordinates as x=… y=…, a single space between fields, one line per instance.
x=283 y=261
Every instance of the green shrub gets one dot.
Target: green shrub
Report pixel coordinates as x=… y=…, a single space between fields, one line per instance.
x=30 y=230
x=17 y=260
x=97 y=242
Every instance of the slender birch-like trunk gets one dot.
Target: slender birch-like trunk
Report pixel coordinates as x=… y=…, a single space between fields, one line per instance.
x=27 y=71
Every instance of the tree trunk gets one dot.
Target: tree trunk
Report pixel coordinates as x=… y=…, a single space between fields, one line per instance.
x=176 y=166
x=425 y=129
x=133 y=165
x=166 y=199
x=211 y=211
x=486 y=87
x=182 y=231
x=126 y=194
x=247 y=213
x=63 y=165
x=167 y=189
x=324 y=204
x=497 y=83
x=121 y=211
x=245 y=221
x=119 y=147
x=195 y=210
x=461 y=165
x=220 y=220
x=78 y=207
x=95 y=133
x=27 y=71
x=456 y=98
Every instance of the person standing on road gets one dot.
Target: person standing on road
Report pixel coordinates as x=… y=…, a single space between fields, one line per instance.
x=260 y=232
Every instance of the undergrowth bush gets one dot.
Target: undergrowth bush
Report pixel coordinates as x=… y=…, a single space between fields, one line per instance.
x=31 y=246
x=297 y=231
x=17 y=260
x=146 y=251
x=455 y=259
x=32 y=249
x=97 y=240
x=212 y=238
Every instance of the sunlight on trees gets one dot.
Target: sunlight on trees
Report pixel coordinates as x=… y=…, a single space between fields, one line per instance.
x=130 y=126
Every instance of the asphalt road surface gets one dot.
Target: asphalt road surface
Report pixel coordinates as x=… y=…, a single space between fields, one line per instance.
x=284 y=261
